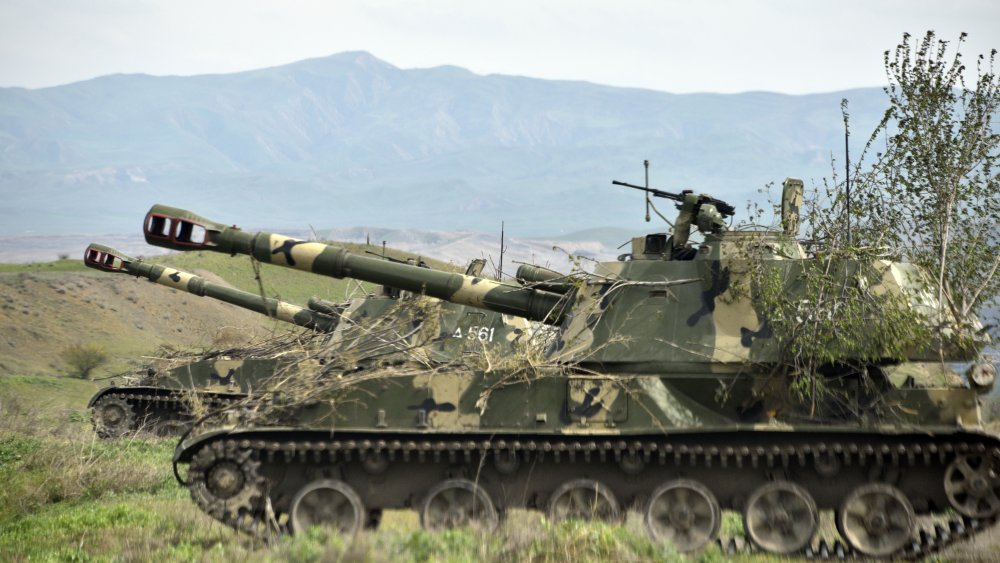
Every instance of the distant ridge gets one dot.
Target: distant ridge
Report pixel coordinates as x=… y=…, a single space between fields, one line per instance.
x=350 y=139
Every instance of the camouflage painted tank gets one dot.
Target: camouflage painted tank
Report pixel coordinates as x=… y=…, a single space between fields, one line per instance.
x=166 y=401
x=661 y=393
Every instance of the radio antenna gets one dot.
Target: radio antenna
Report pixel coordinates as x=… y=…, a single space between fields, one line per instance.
x=646 y=164
x=847 y=166
x=502 y=250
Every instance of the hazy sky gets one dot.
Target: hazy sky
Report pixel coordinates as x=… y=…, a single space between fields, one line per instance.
x=791 y=46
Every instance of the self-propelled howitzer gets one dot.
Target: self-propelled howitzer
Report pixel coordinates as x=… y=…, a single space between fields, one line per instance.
x=368 y=329
x=160 y=400
x=664 y=391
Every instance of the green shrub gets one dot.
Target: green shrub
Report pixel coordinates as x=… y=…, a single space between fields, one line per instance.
x=84 y=358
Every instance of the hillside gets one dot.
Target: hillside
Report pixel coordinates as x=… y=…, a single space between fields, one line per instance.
x=47 y=307
x=350 y=140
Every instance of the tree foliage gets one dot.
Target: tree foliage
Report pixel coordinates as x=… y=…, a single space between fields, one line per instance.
x=84 y=358
x=932 y=194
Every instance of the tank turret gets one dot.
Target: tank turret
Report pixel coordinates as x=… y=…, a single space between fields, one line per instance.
x=178 y=229
x=323 y=318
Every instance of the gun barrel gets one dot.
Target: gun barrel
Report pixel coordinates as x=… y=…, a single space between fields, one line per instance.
x=723 y=207
x=655 y=192
x=182 y=230
x=543 y=278
x=110 y=260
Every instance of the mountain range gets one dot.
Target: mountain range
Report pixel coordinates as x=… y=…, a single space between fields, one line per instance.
x=350 y=140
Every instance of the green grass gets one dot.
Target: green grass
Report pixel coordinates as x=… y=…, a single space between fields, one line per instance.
x=56 y=266
x=291 y=285
x=67 y=496
x=47 y=396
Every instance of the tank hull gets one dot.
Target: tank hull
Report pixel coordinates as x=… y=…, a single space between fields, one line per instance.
x=631 y=434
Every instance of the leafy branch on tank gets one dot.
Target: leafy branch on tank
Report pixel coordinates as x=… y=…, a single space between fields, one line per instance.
x=826 y=319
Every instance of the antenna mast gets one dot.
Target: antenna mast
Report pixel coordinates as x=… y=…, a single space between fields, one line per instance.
x=847 y=166
x=645 y=163
x=500 y=267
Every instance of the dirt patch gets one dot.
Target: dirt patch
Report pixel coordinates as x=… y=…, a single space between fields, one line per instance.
x=41 y=313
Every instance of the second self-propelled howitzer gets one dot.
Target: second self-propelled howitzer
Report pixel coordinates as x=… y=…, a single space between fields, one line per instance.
x=666 y=389
x=160 y=399
x=374 y=328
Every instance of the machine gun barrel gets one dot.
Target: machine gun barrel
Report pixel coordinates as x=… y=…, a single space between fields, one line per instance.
x=110 y=260
x=178 y=229
x=543 y=278
x=420 y=263
x=326 y=307
x=724 y=208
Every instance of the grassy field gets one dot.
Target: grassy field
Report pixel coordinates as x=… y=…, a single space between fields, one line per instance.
x=70 y=497
x=57 y=266
x=66 y=496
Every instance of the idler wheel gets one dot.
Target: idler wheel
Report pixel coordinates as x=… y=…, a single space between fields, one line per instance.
x=329 y=503
x=972 y=483
x=683 y=512
x=112 y=417
x=876 y=520
x=225 y=482
x=780 y=517
x=455 y=503
x=583 y=499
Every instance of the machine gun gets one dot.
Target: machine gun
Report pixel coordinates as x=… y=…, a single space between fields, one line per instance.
x=724 y=208
x=419 y=263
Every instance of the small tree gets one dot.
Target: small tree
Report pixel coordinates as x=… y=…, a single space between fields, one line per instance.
x=934 y=193
x=84 y=358
x=932 y=197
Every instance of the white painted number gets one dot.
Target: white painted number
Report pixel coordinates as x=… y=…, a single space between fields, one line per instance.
x=481 y=333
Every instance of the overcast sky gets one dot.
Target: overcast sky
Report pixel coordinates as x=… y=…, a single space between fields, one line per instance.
x=790 y=46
